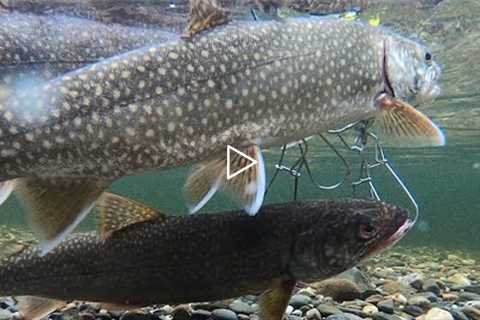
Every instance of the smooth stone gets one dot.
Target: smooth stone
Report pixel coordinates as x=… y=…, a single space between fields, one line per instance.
x=468 y=296
x=297 y=301
x=473 y=289
x=471 y=312
x=458 y=315
x=392 y=287
x=336 y=317
x=386 y=316
x=474 y=303
x=243 y=317
x=87 y=316
x=429 y=295
x=224 y=314
x=352 y=316
x=308 y=291
x=398 y=298
x=327 y=310
x=437 y=314
x=420 y=301
x=386 y=306
x=355 y=311
x=180 y=313
x=370 y=310
x=137 y=316
x=431 y=285
x=414 y=280
x=297 y=313
x=294 y=317
x=313 y=314
x=200 y=314
x=5 y=314
x=413 y=310
x=339 y=289
x=449 y=296
x=289 y=310
x=458 y=281
x=356 y=276
x=209 y=306
x=468 y=262
x=241 y=307
x=374 y=299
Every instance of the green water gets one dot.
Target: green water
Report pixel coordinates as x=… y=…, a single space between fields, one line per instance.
x=445 y=181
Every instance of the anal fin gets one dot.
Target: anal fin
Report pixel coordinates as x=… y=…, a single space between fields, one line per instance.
x=56 y=206
x=246 y=182
x=402 y=125
x=117 y=212
x=274 y=300
x=35 y=308
x=204 y=14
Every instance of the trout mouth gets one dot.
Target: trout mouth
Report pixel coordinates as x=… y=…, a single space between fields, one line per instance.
x=388 y=84
x=393 y=239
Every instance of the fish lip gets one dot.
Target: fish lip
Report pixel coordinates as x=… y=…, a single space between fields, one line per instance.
x=393 y=239
x=388 y=83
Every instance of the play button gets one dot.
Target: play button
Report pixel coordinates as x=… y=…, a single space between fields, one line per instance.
x=236 y=153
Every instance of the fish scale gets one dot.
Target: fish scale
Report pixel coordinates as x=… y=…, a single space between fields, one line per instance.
x=251 y=85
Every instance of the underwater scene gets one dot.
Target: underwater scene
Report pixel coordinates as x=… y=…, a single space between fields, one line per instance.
x=240 y=160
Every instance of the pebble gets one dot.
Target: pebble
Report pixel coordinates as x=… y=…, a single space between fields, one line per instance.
x=386 y=306
x=289 y=310
x=473 y=289
x=386 y=316
x=458 y=315
x=137 y=316
x=327 y=309
x=297 y=313
x=419 y=301
x=5 y=314
x=224 y=314
x=337 y=317
x=339 y=289
x=181 y=313
x=200 y=314
x=468 y=296
x=352 y=316
x=374 y=299
x=449 y=296
x=369 y=310
x=471 y=312
x=458 y=281
x=437 y=314
x=398 y=298
x=431 y=285
x=392 y=287
x=413 y=310
x=299 y=300
x=313 y=314
x=241 y=307
x=432 y=297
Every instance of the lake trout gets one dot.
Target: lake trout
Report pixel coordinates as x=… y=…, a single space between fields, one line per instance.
x=245 y=84
x=142 y=257
x=35 y=48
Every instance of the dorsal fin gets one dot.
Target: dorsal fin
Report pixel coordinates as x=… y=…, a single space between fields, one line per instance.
x=204 y=14
x=117 y=212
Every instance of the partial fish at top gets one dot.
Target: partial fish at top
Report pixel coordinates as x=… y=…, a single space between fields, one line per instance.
x=247 y=84
x=36 y=48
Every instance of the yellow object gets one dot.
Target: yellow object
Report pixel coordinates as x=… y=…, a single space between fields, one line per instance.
x=374 y=21
x=350 y=16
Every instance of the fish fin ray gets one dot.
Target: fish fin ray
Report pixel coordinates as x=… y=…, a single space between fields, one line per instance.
x=401 y=124
x=247 y=187
x=55 y=207
x=204 y=14
x=36 y=308
x=116 y=212
x=6 y=189
x=274 y=301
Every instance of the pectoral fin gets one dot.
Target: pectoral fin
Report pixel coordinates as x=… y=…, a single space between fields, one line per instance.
x=402 y=125
x=6 y=188
x=274 y=301
x=204 y=14
x=56 y=207
x=35 y=308
x=117 y=212
x=238 y=177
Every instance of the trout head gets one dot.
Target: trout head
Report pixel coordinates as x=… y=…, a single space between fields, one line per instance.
x=347 y=233
x=410 y=73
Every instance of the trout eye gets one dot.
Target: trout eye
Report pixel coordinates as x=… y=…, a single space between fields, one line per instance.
x=367 y=230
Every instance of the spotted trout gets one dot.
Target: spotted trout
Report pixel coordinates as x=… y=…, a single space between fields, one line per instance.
x=250 y=85
x=34 y=47
x=141 y=257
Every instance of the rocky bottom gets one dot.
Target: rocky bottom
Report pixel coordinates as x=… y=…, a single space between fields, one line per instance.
x=403 y=283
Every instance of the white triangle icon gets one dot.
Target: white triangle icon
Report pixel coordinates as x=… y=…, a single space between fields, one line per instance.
x=252 y=162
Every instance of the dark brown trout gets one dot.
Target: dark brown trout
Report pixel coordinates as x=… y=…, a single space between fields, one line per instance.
x=207 y=257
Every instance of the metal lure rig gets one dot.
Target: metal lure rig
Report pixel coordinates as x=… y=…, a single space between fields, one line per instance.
x=363 y=136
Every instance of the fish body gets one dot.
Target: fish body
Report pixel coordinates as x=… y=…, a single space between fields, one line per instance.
x=245 y=84
x=205 y=257
x=35 y=47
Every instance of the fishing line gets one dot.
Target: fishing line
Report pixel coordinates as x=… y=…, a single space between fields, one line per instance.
x=363 y=135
